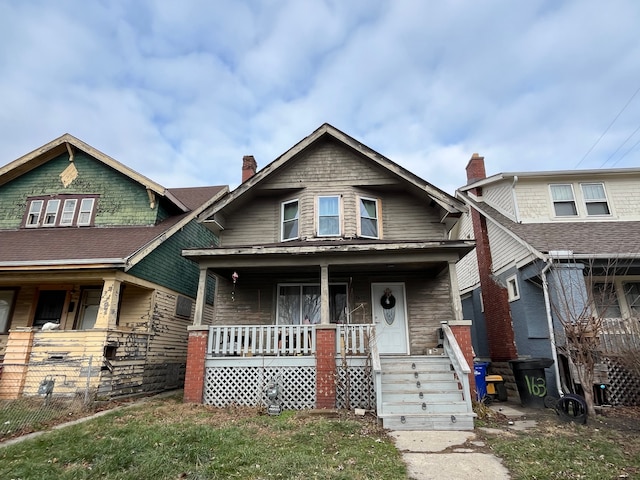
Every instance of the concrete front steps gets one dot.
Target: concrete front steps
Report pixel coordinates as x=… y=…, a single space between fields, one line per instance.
x=422 y=393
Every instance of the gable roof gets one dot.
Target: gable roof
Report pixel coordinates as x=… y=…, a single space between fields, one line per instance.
x=94 y=247
x=448 y=203
x=583 y=239
x=549 y=174
x=68 y=143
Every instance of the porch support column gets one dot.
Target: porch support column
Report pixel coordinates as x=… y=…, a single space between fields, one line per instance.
x=196 y=356
x=324 y=295
x=461 y=329
x=455 y=293
x=326 y=366
x=108 y=313
x=201 y=296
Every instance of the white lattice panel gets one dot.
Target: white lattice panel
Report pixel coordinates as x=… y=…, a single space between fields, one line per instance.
x=355 y=388
x=246 y=386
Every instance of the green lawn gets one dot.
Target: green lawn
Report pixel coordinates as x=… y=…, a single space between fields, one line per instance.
x=166 y=439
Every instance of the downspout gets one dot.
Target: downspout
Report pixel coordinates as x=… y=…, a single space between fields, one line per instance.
x=552 y=336
x=515 y=198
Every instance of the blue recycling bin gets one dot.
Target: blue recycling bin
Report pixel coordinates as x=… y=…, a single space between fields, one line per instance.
x=480 y=374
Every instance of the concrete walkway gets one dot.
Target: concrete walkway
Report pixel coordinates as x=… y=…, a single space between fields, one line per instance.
x=448 y=455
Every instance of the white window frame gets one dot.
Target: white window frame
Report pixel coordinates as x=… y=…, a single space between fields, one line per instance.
x=84 y=210
x=318 y=216
x=34 y=214
x=378 y=217
x=602 y=200
x=554 y=202
x=51 y=212
x=296 y=219
x=513 y=288
x=68 y=201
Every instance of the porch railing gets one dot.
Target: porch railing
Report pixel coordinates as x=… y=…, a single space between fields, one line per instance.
x=249 y=340
x=460 y=364
x=354 y=339
x=263 y=340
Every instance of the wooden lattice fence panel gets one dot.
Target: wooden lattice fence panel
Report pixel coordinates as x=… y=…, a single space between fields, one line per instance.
x=355 y=388
x=246 y=385
x=624 y=385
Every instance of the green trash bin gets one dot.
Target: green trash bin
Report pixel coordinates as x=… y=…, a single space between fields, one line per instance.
x=531 y=380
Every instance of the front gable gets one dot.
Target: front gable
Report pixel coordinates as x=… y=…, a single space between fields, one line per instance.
x=331 y=189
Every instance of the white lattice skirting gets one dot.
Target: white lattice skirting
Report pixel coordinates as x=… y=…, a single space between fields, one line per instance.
x=245 y=385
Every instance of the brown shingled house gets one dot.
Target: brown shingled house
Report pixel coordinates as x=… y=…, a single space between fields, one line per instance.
x=93 y=288
x=335 y=282
x=546 y=239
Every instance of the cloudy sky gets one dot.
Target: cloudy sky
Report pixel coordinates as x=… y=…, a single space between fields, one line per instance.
x=181 y=90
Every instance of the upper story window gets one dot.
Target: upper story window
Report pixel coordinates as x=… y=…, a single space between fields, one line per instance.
x=290 y=218
x=329 y=216
x=595 y=198
x=369 y=218
x=564 y=203
x=60 y=211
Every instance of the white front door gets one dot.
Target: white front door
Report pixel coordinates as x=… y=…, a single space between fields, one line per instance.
x=389 y=317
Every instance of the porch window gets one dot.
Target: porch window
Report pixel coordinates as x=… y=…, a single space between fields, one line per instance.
x=369 y=218
x=605 y=299
x=290 y=220
x=50 y=307
x=564 y=203
x=7 y=298
x=89 y=305
x=301 y=303
x=632 y=295
x=595 y=199
x=329 y=216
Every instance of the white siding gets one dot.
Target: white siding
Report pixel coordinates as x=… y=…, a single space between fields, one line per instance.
x=467 y=267
x=500 y=197
x=505 y=250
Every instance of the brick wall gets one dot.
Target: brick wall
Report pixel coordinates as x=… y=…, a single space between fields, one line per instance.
x=194 y=377
x=326 y=366
x=462 y=332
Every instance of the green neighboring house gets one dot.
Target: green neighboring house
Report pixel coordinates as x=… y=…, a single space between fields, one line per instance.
x=93 y=288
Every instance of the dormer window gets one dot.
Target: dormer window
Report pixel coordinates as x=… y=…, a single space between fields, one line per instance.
x=290 y=220
x=564 y=203
x=60 y=211
x=329 y=216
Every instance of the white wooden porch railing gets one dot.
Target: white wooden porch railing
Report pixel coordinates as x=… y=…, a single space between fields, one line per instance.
x=354 y=339
x=460 y=364
x=250 y=340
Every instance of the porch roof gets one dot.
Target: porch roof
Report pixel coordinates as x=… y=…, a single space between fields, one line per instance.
x=355 y=253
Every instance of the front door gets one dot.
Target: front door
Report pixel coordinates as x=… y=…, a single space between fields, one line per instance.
x=389 y=317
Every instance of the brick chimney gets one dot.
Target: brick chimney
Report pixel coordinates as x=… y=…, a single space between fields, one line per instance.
x=475 y=169
x=249 y=167
x=497 y=311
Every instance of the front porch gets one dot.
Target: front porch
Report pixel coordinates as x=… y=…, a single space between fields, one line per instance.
x=331 y=366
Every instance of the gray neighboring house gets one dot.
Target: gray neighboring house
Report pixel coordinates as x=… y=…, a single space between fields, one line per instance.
x=542 y=235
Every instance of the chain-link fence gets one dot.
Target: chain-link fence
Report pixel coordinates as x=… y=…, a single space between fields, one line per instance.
x=35 y=396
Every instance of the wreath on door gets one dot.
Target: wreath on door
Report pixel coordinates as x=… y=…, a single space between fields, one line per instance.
x=388 y=303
